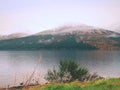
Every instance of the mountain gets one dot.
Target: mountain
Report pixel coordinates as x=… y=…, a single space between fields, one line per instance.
x=114 y=27
x=13 y=36
x=81 y=37
x=85 y=30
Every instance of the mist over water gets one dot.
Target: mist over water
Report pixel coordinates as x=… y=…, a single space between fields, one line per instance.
x=17 y=66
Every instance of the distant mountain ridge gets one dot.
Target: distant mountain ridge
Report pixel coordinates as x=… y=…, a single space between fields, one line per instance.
x=80 y=30
x=13 y=36
x=81 y=37
x=72 y=29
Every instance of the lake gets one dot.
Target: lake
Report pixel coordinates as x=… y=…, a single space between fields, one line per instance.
x=17 y=66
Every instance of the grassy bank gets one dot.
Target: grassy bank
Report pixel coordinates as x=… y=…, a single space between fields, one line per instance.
x=105 y=84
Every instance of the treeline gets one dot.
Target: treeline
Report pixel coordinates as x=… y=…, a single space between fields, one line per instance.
x=33 y=43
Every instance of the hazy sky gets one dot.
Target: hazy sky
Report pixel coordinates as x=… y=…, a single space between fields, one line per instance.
x=35 y=15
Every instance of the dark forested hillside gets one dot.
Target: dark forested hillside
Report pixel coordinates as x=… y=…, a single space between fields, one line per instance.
x=44 y=42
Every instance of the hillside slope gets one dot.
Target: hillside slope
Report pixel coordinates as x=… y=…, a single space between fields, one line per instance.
x=66 y=37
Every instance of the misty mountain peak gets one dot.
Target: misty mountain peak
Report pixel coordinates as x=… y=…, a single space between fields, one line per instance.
x=78 y=30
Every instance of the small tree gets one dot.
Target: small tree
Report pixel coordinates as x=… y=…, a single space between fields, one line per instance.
x=73 y=69
x=68 y=70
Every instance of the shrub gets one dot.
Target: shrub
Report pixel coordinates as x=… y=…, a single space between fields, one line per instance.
x=91 y=77
x=68 y=71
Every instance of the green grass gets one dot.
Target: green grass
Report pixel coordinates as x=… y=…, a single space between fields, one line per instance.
x=105 y=84
x=110 y=84
x=62 y=87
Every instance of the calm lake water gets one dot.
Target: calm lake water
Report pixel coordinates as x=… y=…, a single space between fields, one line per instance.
x=17 y=66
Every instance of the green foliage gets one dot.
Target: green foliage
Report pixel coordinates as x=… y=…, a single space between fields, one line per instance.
x=73 y=68
x=110 y=84
x=68 y=71
x=105 y=84
x=62 y=87
x=52 y=76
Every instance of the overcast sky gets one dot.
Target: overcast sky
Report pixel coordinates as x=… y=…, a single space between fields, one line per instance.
x=35 y=15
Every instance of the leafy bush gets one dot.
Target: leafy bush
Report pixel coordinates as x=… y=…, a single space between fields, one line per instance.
x=68 y=71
